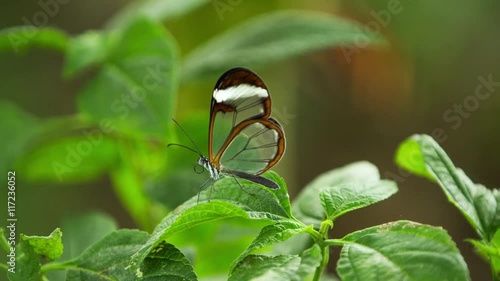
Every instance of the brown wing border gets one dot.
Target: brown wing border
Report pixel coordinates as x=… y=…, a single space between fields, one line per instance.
x=270 y=123
x=231 y=78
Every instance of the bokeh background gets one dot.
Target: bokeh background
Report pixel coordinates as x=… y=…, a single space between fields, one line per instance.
x=337 y=105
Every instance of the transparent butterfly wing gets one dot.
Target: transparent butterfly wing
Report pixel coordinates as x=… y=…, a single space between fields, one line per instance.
x=242 y=137
x=257 y=145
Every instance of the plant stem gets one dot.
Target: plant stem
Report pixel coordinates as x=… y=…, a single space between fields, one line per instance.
x=55 y=266
x=325 y=249
x=493 y=271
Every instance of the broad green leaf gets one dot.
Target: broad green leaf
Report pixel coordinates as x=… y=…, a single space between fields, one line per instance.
x=489 y=250
x=340 y=199
x=282 y=193
x=84 y=230
x=495 y=257
x=285 y=267
x=307 y=206
x=49 y=246
x=478 y=204
x=228 y=238
x=20 y=38
x=496 y=221
x=69 y=159
x=85 y=50
x=272 y=37
x=27 y=263
x=157 y=10
x=166 y=262
x=228 y=200
x=108 y=259
x=22 y=127
x=401 y=250
x=272 y=234
x=136 y=86
x=409 y=156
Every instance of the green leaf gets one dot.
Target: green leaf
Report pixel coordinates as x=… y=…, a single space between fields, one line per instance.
x=69 y=159
x=22 y=127
x=27 y=265
x=21 y=38
x=84 y=230
x=166 y=262
x=85 y=50
x=307 y=206
x=495 y=257
x=285 y=267
x=135 y=88
x=272 y=234
x=489 y=250
x=272 y=37
x=340 y=199
x=49 y=246
x=410 y=158
x=157 y=10
x=401 y=250
x=228 y=238
x=478 y=204
x=282 y=193
x=108 y=259
x=228 y=200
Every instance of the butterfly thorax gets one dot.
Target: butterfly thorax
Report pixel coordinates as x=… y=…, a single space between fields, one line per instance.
x=205 y=163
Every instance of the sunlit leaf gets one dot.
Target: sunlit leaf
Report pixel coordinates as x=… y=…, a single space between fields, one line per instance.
x=272 y=234
x=401 y=250
x=340 y=199
x=49 y=246
x=108 y=260
x=166 y=262
x=478 y=204
x=307 y=206
x=227 y=200
x=285 y=267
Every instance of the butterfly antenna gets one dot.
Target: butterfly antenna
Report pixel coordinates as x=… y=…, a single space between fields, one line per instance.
x=198 y=151
x=186 y=147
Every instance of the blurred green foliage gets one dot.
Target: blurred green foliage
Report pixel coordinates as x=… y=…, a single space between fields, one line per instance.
x=136 y=72
x=125 y=109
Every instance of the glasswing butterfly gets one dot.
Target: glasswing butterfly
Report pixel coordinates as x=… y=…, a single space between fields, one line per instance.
x=243 y=140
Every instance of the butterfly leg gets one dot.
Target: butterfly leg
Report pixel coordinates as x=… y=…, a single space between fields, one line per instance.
x=201 y=188
x=211 y=189
x=241 y=186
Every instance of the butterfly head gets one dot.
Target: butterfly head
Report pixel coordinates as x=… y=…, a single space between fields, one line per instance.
x=205 y=163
